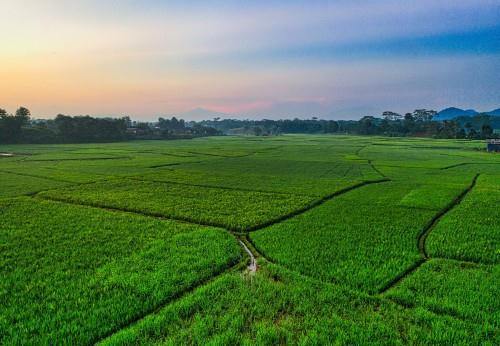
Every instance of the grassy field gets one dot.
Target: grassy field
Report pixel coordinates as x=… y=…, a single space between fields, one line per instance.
x=358 y=240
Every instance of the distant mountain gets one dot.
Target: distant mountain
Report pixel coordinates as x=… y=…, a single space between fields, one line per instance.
x=452 y=112
x=202 y=114
x=495 y=112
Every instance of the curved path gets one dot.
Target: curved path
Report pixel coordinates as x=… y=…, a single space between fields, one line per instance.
x=252 y=267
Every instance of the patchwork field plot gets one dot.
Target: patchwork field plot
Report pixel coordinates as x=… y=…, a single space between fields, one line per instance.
x=236 y=210
x=95 y=271
x=471 y=231
x=358 y=240
x=464 y=290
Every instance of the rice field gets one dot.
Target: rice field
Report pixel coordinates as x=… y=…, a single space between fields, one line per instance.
x=358 y=240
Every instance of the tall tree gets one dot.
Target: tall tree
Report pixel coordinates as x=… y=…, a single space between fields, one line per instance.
x=486 y=131
x=11 y=128
x=367 y=125
x=423 y=115
x=23 y=114
x=391 y=116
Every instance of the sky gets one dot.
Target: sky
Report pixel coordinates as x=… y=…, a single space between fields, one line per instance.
x=248 y=59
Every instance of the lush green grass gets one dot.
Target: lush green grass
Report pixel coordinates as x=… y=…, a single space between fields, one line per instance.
x=278 y=307
x=464 y=290
x=71 y=274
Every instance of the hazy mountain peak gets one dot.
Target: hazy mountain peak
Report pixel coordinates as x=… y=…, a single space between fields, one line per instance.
x=454 y=112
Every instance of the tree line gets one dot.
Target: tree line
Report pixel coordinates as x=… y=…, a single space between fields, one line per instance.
x=20 y=128
x=273 y=127
x=419 y=123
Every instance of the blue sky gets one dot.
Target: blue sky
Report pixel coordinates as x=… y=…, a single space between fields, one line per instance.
x=274 y=59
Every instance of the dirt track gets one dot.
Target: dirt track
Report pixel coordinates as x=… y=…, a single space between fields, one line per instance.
x=252 y=267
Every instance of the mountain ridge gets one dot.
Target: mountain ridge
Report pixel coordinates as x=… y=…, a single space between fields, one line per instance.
x=454 y=112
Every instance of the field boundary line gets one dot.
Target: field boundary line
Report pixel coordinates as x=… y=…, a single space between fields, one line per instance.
x=467 y=261
x=316 y=203
x=361 y=149
x=402 y=275
x=223 y=156
x=125 y=211
x=162 y=154
x=433 y=310
x=209 y=154
x=370 y=162
x=455 y=165
x=72 y=185
x=167 y=301
x=217 y=187
x=83 y=159
x=435 y=220
x=409 y=167
x=422 y=237
x=37 y=176
x=173 y=164
x=469 y=163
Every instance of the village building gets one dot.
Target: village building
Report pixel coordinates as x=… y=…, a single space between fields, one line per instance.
x=493 y=145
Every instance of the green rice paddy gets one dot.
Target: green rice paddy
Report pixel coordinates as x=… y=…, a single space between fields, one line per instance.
x=358 y=240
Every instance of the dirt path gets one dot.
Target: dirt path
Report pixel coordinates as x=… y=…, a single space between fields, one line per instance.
x=252 y=267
